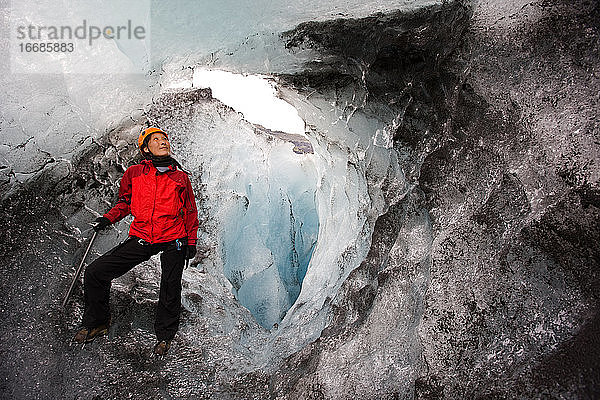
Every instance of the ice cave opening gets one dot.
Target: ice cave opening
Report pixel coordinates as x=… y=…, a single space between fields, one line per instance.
x=268 y=213
x=270 y=237
x=273 y=175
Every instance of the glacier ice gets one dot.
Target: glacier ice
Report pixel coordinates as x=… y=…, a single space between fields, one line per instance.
x=285 y=227
x=277 y=217
x=270 y=223
x=267 y=214
x=406 y=238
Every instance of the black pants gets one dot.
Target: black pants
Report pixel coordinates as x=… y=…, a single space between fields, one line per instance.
x=119 y=260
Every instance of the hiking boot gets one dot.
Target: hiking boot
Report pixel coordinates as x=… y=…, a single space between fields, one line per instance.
x=161 y=348
x=86 y=335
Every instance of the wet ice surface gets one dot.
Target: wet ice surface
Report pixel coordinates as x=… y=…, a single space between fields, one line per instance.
x=457 y=202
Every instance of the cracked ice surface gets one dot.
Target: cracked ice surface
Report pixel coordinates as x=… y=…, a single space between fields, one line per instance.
x=50 y=117
x=208 y=28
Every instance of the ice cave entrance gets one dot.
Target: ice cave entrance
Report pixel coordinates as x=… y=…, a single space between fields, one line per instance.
x=270 y=230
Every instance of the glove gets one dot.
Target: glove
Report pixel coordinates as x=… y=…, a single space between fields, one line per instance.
x=190 y=251
x=100 y=223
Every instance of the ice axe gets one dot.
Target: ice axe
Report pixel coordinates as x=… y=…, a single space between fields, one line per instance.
x=64 y=303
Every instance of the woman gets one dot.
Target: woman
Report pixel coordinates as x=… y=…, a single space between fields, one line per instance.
x=159 y=196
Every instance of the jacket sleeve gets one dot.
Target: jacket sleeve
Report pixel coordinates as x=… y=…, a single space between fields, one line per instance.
x=122 y=208
x=191 y=213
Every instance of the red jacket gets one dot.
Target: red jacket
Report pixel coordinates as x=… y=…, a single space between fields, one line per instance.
x=162 y=204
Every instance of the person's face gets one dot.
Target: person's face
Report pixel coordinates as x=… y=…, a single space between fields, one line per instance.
x=159 y=145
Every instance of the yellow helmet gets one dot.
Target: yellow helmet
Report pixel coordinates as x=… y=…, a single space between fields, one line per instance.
x=147 y=132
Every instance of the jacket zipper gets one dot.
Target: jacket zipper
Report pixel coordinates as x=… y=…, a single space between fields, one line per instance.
x=153 y=208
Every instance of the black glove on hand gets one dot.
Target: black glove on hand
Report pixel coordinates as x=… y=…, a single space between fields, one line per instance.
x=100 y=223
x=190 y=251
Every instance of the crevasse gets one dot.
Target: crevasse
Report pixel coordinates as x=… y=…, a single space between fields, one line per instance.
x=270 y=228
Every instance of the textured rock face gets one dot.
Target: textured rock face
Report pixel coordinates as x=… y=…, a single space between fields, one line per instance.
x=496 y=125
x=482 y=276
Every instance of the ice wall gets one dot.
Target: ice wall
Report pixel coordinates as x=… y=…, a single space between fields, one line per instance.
x=270 y=228
x=454 y=181
x=208 y=31
x=331 y=185
x=288 y=227
x=294 y=225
